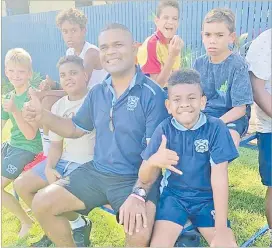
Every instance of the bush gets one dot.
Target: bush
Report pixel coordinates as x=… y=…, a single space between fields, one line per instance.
x=34 y=82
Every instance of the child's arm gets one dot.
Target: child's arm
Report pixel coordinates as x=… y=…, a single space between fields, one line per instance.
x=175 y=47
x=29 y=130
x=234 y=114
x=54 y=155
x=91 y=61
x=261 y=95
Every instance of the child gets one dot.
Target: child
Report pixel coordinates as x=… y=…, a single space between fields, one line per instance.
x=259 y=59
x=159 y=55
x=195 y=150
x=25 y=141
x=65 y=155
x=224 y=74
x=72 y=24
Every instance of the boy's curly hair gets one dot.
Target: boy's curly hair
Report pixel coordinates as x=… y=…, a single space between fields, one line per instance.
x=72 y=15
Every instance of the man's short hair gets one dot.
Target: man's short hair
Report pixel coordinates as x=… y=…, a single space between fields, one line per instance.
x=167 y=3
x=73 y=16
x=113 y=26
x=185 y=76
x=19 y=56
x=221 y=15
x=71 y=59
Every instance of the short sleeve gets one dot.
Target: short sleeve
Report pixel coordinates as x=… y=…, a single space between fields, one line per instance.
x=147 y=58
x=53 y=136
x=154 y=143
x=222 y=147
x=84 y=117
x=156 y=112
x=241 y=89
x=4 y=114
x=259 y=56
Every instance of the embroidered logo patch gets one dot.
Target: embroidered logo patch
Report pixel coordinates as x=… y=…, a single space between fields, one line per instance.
x=201 y=145
x=224 y=87
x=11 y=169
x=132 y=103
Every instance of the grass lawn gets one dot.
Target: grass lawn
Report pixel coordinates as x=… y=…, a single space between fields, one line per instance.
x=246 y=210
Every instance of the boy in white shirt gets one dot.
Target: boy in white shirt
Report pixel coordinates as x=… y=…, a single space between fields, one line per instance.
x=259 y=59
x=64 y=155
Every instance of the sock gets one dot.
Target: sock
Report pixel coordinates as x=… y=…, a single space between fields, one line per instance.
x=79 y=222
x=45 y=142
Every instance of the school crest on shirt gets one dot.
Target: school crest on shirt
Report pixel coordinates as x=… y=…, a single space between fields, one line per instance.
x=132 y=102
x=201 y=145
x=11 y=169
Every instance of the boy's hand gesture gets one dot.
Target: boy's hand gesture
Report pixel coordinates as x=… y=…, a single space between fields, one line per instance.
x=32 y=110
x=47 y=84
x=165 y=158
x=9 y=104
x=175 y=46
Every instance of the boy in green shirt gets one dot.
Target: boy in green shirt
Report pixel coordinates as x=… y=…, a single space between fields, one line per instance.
x=25 y=142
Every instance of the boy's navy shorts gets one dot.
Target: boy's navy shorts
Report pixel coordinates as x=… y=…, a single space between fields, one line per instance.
x=175 y=209
x=265 y=157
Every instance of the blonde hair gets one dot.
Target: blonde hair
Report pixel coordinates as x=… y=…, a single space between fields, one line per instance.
x=72 y=15
x=221 y=15
x=19 y=56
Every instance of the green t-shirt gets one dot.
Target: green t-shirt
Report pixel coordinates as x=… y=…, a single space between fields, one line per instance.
x=17 y=138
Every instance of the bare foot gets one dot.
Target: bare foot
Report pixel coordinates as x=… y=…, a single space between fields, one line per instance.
x=24 y=230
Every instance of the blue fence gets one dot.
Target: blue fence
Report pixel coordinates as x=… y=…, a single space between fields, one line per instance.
x=38 y=34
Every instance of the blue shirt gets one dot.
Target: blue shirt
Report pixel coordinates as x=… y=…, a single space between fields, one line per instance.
x=135 y=116
x=206 y=144
x=226 y=84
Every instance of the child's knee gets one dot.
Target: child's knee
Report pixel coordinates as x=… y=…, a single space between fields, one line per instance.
x=235 y=137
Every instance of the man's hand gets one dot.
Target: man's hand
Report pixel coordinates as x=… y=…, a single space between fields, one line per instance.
x=223 y=238
x=52 y=175
x=165 y=158
x=32 y=110
x=175 y=46
x=132 y=215
x=9 y=105
x=47 y=84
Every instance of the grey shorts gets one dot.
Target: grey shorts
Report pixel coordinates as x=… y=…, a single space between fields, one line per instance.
x=63 y=167
x=96 y=189
x=14 y=160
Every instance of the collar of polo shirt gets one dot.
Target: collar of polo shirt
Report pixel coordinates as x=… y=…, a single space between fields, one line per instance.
x=161 y=37
x=201 y=121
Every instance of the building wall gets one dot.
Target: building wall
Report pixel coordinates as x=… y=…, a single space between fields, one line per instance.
x=3 y=9
x=44 y=6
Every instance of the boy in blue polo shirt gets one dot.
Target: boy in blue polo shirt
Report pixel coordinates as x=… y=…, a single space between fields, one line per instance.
x=195 y=151
x=224 y=74
x=124 y=111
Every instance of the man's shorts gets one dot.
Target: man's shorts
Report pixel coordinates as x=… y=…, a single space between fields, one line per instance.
x=265 y=157
x=172 y=208
x=63 y=167
x=14 y=160
x=241 y=125
x=96 y=188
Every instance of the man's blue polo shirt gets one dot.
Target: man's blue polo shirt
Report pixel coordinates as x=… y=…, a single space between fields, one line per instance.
x=206 y=144
x=135 y=116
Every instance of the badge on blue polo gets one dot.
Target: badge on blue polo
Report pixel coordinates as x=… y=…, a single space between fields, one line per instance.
x=201 y=145
x=132 y=102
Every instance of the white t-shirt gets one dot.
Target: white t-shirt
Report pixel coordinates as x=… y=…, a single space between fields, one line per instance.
x=97 y=75
x=259 y=59
x=79 y=150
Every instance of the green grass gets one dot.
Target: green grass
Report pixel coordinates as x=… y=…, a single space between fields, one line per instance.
x=246 y=208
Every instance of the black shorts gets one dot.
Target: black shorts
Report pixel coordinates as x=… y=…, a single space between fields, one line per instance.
x=96 y=188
